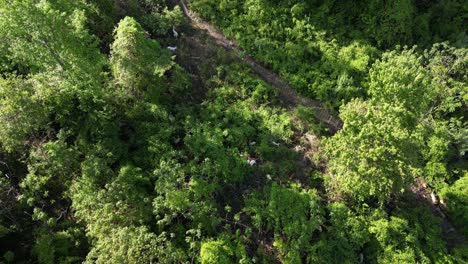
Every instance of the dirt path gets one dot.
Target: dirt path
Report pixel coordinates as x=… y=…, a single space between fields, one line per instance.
x=289 y=95
x=425 y=195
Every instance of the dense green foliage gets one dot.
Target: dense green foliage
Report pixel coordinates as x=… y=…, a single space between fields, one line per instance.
x=114 y=150
x=325 y=47
x=376 y=152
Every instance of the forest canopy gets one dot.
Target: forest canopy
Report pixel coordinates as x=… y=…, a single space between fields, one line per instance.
x=128 y=134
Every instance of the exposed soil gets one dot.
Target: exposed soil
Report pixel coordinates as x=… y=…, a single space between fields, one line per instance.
x=425 y=195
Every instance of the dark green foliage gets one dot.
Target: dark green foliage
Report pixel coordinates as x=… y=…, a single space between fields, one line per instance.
x=233 y=117
x=292 y=214
x=389 y=22
x=447 y=134
x=61 y=246
x=344 y=238
x=456 y=198
x=51 y=167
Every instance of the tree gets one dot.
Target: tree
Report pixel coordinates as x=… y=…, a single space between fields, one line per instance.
x=57 y=65
x=134 y=245
x=124 y=201
x=22 y=112
x=138 y=64
x=389 y=22
x=50 y=36
x=376 y=154
x=447 y=131
x=51 y=168
x=405 y=238
x=213 y=252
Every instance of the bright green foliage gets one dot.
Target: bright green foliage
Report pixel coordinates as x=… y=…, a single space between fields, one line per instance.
x=339 y=74
x=376 y=152
x=51 y=167
x=447 y=65
x=285 y=36
x=235 y=115
x=49 y=36
x=447 y=134
x=213 y=252
x=123 y=202
x=138 y=63
x=132 y=245
x=437 y=154
x=405 y=238
x=160 y=19
x=222 y=251
x=22 y=112
x=293 y=221
x=400 y=80
x=182 y=206
x=175 y=198
x=396 y=239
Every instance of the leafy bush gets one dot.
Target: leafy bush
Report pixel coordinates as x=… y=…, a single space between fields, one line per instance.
x=343 y=239
x=457 y=201
x=292 y=214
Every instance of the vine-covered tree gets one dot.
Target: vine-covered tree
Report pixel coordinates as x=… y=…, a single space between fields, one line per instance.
x=138 y=63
